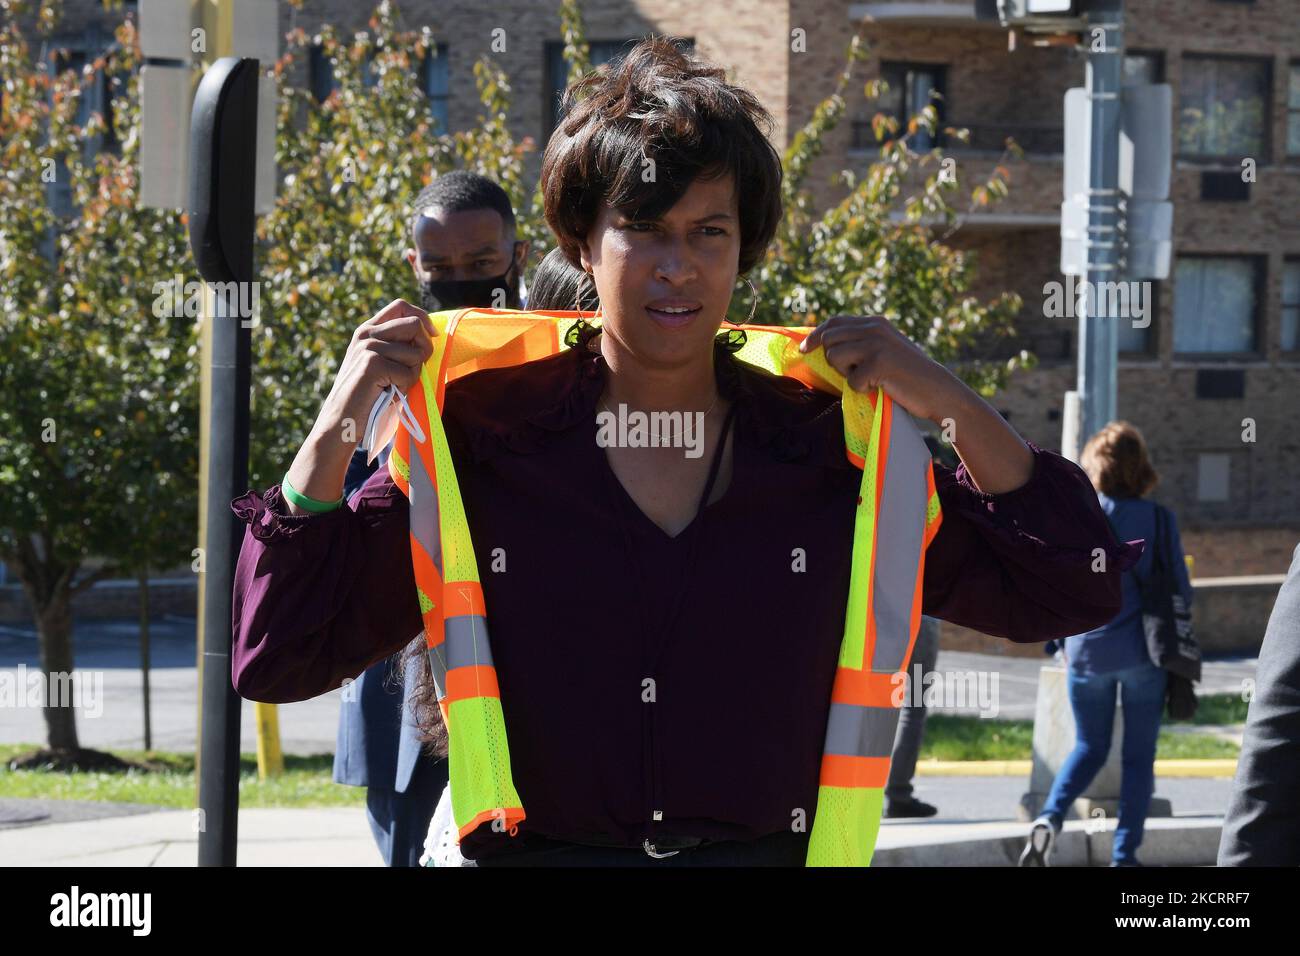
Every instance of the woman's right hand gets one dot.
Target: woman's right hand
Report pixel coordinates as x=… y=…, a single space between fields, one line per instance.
x=387 y=349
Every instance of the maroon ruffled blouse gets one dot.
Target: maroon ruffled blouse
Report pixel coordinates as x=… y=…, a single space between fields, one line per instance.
x=588 y=599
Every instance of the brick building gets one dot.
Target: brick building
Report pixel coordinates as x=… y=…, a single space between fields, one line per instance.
x=1223 y=345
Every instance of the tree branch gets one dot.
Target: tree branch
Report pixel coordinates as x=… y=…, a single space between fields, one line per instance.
x=107 y=571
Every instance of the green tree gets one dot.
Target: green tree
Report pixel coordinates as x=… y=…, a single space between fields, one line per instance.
x=858 y=258
x=349 y=168
x=98 y=397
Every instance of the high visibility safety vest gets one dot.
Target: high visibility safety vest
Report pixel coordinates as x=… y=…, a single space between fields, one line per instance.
x=897 y=517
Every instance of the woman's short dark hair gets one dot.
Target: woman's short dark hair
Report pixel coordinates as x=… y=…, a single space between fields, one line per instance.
x=658 y=103
x=1116 y=461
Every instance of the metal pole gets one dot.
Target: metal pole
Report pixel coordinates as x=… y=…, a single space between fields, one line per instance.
x=223 y=146
x=1104 y=41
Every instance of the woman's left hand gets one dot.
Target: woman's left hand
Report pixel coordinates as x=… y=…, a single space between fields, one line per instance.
x=870 y=352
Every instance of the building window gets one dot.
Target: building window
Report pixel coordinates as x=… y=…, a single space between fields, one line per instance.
x=1216 y=304
x=1291 y=305
x=1213 y=470
x=435 y=80
x=94 y=99
x=1293 y=112
x=911 y=87
x=1141 y=67
x=1133 y=341
x=1223 y=108
x=320 y=74
x=600 y=52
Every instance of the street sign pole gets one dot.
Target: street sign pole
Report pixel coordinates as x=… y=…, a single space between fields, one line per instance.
x=223 y=148
x=1096 y=381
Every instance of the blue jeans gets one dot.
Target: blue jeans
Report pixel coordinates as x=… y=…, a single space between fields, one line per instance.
x=1092 y=698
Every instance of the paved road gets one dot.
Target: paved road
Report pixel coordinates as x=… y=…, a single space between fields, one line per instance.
x=107 y=652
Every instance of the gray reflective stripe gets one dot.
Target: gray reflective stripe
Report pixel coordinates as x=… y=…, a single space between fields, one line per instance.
x=900 y=530
x=466 y=641
x=424 y=512
x=856 y=731
x=439 y=667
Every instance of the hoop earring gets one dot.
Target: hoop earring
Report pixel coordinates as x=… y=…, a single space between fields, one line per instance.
x=575 y=333
x=733 y=340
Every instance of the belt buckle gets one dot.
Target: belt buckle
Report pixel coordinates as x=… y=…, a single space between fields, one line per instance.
x=655 y=854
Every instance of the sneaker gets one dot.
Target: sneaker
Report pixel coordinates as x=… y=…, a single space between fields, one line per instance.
x=910 y=808
x=1126 y=863
x=1042 y=840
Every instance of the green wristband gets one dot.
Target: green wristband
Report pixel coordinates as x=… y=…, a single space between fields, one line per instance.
x=302 y=501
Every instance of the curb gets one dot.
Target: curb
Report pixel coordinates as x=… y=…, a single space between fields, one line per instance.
x=1221 y=767
x=1167 y=841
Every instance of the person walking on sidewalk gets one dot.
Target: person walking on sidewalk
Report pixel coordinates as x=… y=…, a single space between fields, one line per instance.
x=1115 y=656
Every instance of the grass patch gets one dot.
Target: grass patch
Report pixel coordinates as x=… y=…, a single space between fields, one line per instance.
x=1218 y=709
x=170 y=781
x=955 y=737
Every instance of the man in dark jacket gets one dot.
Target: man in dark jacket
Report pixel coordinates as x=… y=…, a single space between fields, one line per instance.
x=1262 y=825
x=464 y=254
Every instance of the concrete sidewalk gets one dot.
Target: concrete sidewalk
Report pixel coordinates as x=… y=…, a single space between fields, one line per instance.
x=974 y=828
x=333 y=836
x=1167 y=841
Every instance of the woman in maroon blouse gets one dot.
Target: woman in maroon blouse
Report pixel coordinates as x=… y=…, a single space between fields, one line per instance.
x=605 y=567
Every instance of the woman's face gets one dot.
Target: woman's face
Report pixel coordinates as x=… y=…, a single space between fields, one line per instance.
x=647 y=271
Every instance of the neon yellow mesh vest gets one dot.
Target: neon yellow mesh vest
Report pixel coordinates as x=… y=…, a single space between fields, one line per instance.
x=897 y=516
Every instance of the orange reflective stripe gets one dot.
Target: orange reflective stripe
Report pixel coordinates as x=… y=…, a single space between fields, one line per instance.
x=446 y=357
x=427 y=576
x=863 y=688
x=466 y=682
x=462 y=597
x=839 y=770
x=886 y=420
x=536 y=341
x=510 y=817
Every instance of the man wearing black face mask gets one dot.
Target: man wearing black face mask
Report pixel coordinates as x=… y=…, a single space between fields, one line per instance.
x=464 y=254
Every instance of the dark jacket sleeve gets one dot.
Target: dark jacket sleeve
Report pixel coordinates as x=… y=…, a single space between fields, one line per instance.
x=319 y=598
x=1262 y=825
x=1032 y=564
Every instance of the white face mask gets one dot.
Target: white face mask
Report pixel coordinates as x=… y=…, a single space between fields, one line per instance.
x=390 y=409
